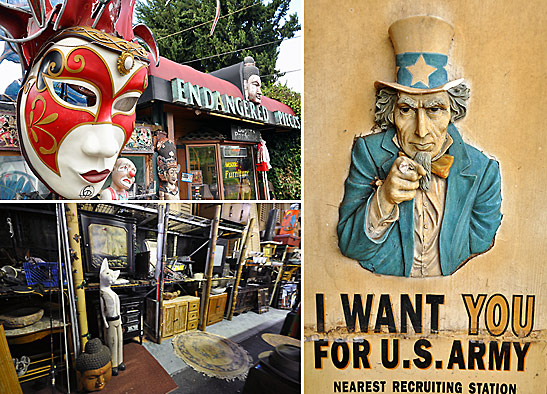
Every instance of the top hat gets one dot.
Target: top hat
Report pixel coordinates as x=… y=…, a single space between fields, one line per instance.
x=421 y=45
x=284 y=361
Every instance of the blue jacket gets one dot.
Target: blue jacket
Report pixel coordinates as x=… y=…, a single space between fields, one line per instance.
x=470 y=220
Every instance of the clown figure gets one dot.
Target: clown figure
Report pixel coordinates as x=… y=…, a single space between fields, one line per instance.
x=123 y=177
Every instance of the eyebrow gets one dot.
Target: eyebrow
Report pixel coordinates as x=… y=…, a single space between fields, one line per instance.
x=408 y=101
x=436 y=102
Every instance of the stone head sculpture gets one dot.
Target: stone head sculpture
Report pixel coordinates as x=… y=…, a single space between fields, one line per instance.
x=86 y=48
x=251 y=81
x=94 y=366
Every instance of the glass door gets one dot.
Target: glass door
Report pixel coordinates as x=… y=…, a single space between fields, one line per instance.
x=238 y=175
x=203 y=167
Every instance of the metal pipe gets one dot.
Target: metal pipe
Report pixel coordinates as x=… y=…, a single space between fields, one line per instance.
x=240 y=262
x=77 y=269
x=60 y=271
x=70 y=284
x=158 y=270
x=163 y=259
x=204 y=312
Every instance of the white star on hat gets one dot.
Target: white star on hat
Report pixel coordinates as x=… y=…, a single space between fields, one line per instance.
x=421 y=71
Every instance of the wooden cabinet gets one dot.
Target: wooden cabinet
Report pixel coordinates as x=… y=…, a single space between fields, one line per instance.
x=174 y=314
x=217 y=305
x=192 y=319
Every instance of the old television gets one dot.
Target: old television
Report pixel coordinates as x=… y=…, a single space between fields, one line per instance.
x=199 y=255
x=108 y=236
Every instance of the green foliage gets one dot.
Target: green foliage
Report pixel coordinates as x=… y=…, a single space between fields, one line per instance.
x=285 y=156
x=284 y=148
x=284 y=94
x=258 y=24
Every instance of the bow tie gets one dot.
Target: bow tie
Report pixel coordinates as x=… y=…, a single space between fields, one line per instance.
x=441 y=166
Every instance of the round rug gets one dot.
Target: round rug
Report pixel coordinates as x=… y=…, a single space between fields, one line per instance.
x=212 y=355
x=278 y=339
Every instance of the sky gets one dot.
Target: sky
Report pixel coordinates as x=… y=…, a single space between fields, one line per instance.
x=290 y=60
x=291 y=54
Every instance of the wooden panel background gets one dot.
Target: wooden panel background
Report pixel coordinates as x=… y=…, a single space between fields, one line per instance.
x=499 y=48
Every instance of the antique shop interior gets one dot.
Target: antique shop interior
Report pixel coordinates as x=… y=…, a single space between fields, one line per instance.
x=150 y=298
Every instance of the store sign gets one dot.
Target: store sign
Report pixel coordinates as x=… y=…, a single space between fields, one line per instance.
x=202 y=97
x=243 y=134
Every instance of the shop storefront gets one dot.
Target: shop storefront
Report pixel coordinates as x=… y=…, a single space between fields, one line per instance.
x=216 y=130
x=217 y=133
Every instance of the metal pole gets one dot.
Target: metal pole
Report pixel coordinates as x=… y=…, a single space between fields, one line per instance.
x=279 y=275
x=60 y=271
x=158 y=272
x=240 y=263
x=205 y=292
x=77 y=269
x=163 y=258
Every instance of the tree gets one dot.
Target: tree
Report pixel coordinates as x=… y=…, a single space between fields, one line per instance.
x=284 y=148
x=256 y=24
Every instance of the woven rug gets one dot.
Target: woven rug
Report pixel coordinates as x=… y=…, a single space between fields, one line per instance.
x=277 y=339
x=212 y=355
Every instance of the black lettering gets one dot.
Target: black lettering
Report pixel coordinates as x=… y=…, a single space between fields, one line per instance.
x=521 y=354
x=361 y=351
x=385 y=315
x=335 y=355
x=319 y=354
x=497 y=356
x=456 y=355
x=424 y=359
x=320 y=311
x=357 y=312
x=435 y=300
x=386 y=362
x=415 y=315
x=477 y=350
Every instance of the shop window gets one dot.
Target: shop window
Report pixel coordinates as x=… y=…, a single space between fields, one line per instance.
x=17 y=181
x=237 y=172
x=202 y=160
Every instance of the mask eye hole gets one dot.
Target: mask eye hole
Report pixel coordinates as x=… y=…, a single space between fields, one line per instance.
x=75 y=94
x=126 y=103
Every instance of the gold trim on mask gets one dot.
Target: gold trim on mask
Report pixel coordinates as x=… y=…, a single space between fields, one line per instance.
x=41 y=122
x=105 y=40
x=73 y=107
x=77 y=59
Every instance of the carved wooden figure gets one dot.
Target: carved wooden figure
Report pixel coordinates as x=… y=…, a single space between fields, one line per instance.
x=419 y=201
x=110 y=309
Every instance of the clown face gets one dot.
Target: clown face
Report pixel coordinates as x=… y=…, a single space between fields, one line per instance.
x=123 y=175
x=76 y=111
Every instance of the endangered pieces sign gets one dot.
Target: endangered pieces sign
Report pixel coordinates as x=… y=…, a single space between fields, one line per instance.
x=424 y=247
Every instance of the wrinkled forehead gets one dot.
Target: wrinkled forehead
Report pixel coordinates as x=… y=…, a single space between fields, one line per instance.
x=423 y=100
x=87 y=54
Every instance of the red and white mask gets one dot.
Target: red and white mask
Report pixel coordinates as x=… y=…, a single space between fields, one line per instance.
x=73 y=146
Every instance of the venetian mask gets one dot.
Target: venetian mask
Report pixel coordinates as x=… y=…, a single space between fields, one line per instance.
x=76 y=109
